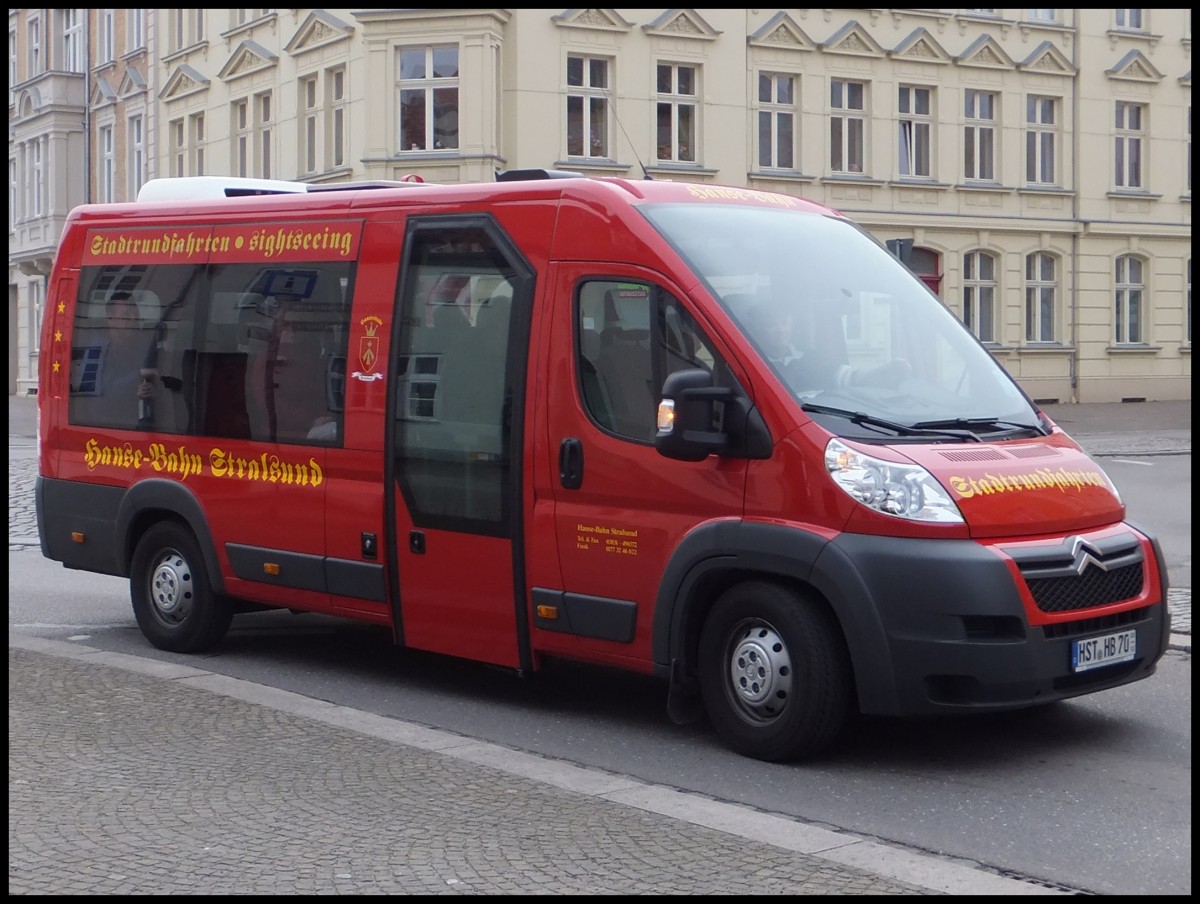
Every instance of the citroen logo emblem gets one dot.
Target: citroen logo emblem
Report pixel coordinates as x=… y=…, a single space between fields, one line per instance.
x=1083 y=553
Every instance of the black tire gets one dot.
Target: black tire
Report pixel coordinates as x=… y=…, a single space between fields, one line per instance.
x=774 y=672
x=173 y=600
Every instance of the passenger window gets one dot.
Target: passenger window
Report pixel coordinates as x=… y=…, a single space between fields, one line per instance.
x=631 y=336
x=239 y=351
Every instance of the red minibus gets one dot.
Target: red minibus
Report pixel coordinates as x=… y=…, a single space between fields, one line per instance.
x=711 y=434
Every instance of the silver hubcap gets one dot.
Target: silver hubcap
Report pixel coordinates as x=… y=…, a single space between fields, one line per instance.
x=171 y=589
x=760 y=670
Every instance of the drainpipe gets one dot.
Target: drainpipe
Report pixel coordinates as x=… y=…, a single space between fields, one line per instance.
x=1073 y=360
x=87 y=110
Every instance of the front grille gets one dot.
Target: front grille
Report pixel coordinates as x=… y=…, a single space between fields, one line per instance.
x=1082 y=574
x=1092 y=588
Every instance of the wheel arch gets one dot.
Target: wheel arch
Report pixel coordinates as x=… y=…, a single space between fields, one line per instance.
x=716 y=556
x=151 y=501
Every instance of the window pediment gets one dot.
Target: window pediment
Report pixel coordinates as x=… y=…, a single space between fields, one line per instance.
x=853 y=40
x=183 y=81
x=594 y=19
x=921 y=47
x=986 y=53
x=248 y=57
x=681 y=23
x=1048 y=59
x=781 y=30
x=1134 y=67
x=318 y=30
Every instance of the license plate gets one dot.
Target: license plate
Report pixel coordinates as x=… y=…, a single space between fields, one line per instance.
x=1097 y=651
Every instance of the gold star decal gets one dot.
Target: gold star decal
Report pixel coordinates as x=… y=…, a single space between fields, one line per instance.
x=62 y=306
x=56 y=367
x=58 y=335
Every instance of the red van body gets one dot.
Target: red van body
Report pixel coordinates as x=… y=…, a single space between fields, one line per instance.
x=540 y=418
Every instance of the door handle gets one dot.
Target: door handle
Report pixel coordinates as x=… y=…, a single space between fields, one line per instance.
x=570 y=463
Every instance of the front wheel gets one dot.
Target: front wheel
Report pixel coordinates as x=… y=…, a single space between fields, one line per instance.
x=774 y=672
x=173 y=601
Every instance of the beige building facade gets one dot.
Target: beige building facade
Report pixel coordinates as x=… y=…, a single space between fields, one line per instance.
x=1032 y=165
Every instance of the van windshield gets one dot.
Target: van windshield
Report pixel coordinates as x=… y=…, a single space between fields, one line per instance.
x=845 y=326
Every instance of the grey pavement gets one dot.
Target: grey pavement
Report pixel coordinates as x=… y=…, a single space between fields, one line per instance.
x=134 y=776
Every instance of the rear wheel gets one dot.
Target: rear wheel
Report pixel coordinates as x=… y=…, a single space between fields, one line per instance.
x=173 y=602
x=774 y=673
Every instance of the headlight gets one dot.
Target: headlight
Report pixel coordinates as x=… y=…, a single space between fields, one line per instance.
x=906 y=491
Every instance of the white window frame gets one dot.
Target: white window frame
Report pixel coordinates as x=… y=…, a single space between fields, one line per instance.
x=106 y=37
x=1041 y=15
x=914 y=148
x=243 y=136
x=338 y=106
x=310 y=123
x=1041 y=296
x=778 y=120
x=1041 y=139
x=73 y=39
x=1130 y=19
x=107 y=164
x=197 y=134
x=264 y=127
x=178 y=147
x=980 y=291
x=37 y=308
x=437 y=95
x=135 y=29
x=37 y=182
x=588 y=133
x=1129 y=145
x=137 y=154
x=979 y=135
x=1130 y=309
x=847 y=125
x=677 y=112
x=33 y=46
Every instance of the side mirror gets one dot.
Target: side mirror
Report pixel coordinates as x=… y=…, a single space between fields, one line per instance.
x=690 y=428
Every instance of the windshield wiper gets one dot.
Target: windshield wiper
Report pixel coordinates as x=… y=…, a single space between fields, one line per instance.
x=967 y=423
x=869 y=420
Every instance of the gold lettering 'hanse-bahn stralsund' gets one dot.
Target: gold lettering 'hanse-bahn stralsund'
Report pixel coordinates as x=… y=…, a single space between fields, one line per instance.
x=181 y=463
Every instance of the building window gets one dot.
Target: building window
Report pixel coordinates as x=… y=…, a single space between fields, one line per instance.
x=310 y=112
x=241 y=137
x=37 y=307
x=1128 y=149
x=198 y=147
x=178 y=149
x=428 y=83
x=1041 y=292
x=37 y=186
x=979 y=294
x=777 y=119
x=587 y=106
x=847 y=126
x=107 y=164
x=34 y=47
x=239 y=17
x=1041 y=15
x=13 y=198
x=73 y=40
x=12 y=63
x=916 y=122
x=1129 y=18
x=335 y=84
x=135 y=29
x=979 y=135
x=186 y=28
x=676 y=116
x=106 y=39
x=137 y=155
x=1130 y=288
x=1040 y=144
x=264 y=126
